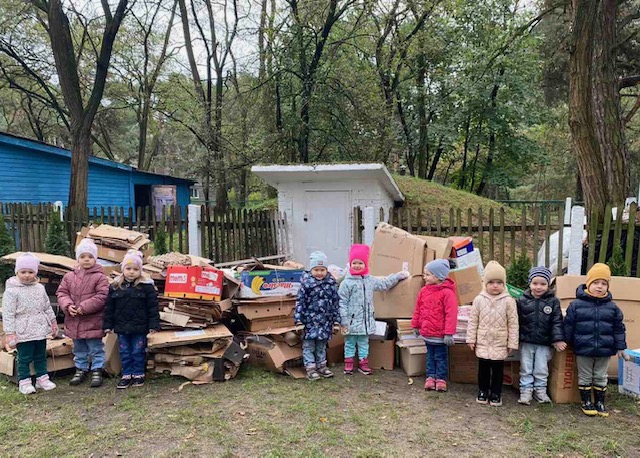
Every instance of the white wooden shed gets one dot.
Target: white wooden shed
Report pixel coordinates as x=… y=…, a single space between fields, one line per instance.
x=318 y=201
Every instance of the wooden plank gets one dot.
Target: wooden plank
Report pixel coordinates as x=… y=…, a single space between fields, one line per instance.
x=439 y=223
x=631 y=226
x=274 y=235
x=559 y=270
x=512 y=237
x=139 y=219
x=38 y=238
x=523 y=246
x=547 y=236
x=617 y=232
x=594 y=220
x=606 y=232
x=481 y=232
x=502 y=239
x=491 y=234
x=181 y=237
x=452 y=222
x=459 y=221
x=419 y=221
x=536 y=233
x=407 y=211
x=101 y=215
x=470 y=222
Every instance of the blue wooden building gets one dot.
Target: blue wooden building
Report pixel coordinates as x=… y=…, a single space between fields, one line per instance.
x=36 y=172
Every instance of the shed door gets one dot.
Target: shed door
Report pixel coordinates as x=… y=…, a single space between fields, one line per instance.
x=328 y=225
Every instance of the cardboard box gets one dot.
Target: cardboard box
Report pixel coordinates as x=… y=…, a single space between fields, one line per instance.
x=440 y=245
x=271 y=282
x=394 y=250
x=563 y=378
x=382 y=331
x=172 y=338
x=265 y=324
x=413 y=357
x=399 y=301
x=9 y=364
x=382 y=354
x=461 y=246
x=276 y=353
x=625 y=294
x=629 y=374
x=112 y=364
x=59 y=347
x=335 y=349
x=470 y=259
x=110 y=253
x=468 y=284
x=194 y=282
x=463 y=364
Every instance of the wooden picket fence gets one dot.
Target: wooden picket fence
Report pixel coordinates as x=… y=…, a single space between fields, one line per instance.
x=226 y=234
x=505 y=236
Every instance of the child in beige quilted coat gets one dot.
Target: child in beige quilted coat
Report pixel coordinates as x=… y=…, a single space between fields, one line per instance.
x=492 y=333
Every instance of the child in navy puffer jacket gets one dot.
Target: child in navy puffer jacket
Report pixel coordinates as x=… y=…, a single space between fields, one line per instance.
x=317 y=309
x=594 y=327
x=435 y=318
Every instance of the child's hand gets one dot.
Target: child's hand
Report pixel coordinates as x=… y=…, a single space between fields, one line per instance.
x=54 y=329
x=472 y=346
x=448 y=340
x=560 y=346
x=152 y=331
x=79 y=310
x=108 y=331
x=510 y=351
x=416 y=332
x=344 y=330
x=10 y=341
x=73 y=311
x=403 y=275
x=623 y=354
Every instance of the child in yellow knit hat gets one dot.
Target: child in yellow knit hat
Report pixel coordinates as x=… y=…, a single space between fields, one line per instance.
x=594 y=327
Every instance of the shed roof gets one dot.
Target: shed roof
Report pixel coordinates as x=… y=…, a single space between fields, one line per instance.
x=274 y=174
x=30 y=144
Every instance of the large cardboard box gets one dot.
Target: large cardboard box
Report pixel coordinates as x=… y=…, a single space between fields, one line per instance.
x=462 y=246
x=269 y=282
x=471 y=259
x=399 y=301
x=172 y=338
x=440 y=245
x=194 y=282
x=267 y=313
x=382 y=354
x=463 y=364
x=394 y=250
x=468 y=284
x=563 y=378
x=413 y=357
x=112 y=364
x=279 y=351
x=9 y=364
x=629 y=374
x=625 y=294
x=335 y=349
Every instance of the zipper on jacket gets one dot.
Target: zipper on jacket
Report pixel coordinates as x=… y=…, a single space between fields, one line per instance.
x=366 y=315
x=597 y=320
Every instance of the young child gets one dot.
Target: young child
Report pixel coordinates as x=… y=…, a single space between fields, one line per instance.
x=595 y=329
x=132 y=312
x=356 y=307
x=492 y=333
x=82 y=296
x=435 y=318
x=317 y=309
x=27 y=319
x=540 y=320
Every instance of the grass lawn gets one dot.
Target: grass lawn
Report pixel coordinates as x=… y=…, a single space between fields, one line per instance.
x=265 y=414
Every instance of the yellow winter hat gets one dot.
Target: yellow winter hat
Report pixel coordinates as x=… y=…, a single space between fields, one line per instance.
x=494 y=271
x=599 y=271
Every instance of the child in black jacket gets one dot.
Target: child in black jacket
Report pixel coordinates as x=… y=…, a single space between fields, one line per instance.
x=132 y=312
x=540 y=320
x=594 y=327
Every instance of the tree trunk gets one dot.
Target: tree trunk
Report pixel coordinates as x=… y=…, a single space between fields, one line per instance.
x=463 y=171
x=436 y=159
x=79 y=184
x=410 y=156
x=423 y=139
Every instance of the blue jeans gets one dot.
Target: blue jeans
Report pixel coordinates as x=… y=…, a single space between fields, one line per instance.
x=314 y=352
x=534 y=365
x=83 y=348
x=437 y=361
x=133 y=353
x=350 y=342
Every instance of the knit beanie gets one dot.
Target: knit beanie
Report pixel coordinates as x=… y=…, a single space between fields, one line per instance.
x=599 y=271
x=541 y=272
x=86 y=246
x=132 y=257
x=360 y=252
x=317 y=259
x=494 y=271
x=439 y=268
x=27 y=261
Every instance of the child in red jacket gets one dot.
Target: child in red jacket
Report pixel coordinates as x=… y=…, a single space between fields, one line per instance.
x=435 y=318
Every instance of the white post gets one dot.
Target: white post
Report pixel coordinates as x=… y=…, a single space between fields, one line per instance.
x=369 y=223
x=59 y=206
x=194 y=230
x=567 y=211
x=575 y=241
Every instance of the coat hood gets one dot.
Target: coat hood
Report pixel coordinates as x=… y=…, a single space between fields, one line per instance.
x=13 y=282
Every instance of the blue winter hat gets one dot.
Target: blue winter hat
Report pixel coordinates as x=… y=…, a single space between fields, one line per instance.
x=318 y=259
x=440 y=268
x=540 y=271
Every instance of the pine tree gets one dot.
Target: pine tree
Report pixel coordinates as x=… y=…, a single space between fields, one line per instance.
x=7 y=246
x=616 y=263
x=160 y=240
x=518 y=272
x=57 y=241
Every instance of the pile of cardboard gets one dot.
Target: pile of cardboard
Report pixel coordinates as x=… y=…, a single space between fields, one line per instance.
x=114 y=242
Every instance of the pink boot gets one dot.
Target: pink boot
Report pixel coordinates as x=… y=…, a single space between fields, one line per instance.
x=363 y=367
x=348 y=366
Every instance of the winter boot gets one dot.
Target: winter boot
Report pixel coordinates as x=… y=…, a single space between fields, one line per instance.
x=441 y=385
x=348 y=366
x=430 y=384
x=587 y=406
x=79 y=377
x=483 y=397
x=324 y=371
x=526 y=395
x=363 y=367
x=26 y=387
x=96 y=378
x=312 y=373
x=540 y=393
x=44 y=383
x=600 y=393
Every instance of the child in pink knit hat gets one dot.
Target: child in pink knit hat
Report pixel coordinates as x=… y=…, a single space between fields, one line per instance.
x=27 y=319
x=132 y=312
x=356 y=307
